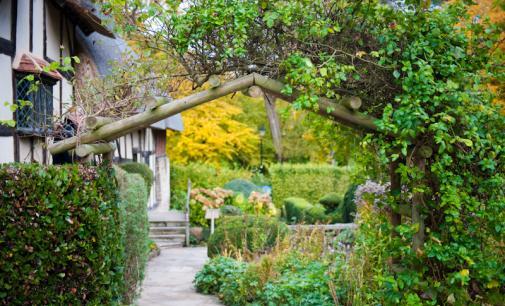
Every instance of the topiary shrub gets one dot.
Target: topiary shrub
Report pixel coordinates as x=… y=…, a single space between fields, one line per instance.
x=294 y=209
x=298 y=210
x=60 y=236
x=315 y=214
x=143 y=170
x=241 y=186
x=135 y=227
x=331 y=201
x=349 y=205
x=245 y=235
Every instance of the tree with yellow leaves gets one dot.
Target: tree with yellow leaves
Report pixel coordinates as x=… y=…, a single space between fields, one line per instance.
x=212 y=135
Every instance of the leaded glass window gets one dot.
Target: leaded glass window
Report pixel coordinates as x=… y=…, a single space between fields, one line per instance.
x=37 y=118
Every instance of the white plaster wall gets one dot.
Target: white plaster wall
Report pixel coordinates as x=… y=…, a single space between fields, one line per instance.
x=5 y=86
x=66 y=33
x=136 y=140
x=24 y=150
x=67 y=92
x=52 y=31
x=7 y=150
x=5 y=19
x=38 y=28
x=23 y=26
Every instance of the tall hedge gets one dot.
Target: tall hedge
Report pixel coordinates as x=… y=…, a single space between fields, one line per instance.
x=308 y=181
x=135 y=227
x=203 y=176
x=60 y=236
x=140 y=168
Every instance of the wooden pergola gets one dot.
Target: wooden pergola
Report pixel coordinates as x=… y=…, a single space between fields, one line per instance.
x=105 y=129
x=345 y=111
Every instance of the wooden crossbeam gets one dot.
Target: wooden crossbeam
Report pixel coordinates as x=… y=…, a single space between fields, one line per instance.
x=110 y=131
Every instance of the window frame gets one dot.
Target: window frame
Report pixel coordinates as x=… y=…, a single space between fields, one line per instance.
x=36 y=119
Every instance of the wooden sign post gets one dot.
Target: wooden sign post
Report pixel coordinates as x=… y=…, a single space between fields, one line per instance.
x=212 y=213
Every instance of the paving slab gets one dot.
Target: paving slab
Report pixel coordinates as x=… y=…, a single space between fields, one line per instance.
x=169 y=279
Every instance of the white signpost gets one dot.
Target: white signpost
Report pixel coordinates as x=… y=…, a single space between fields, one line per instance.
x=212 y=213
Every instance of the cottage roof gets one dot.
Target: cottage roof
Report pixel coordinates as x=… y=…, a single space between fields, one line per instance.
x=30 y=63
x=104 y=51
x=85 y=15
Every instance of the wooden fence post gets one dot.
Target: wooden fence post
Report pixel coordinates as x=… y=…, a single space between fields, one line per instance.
x=186 y=214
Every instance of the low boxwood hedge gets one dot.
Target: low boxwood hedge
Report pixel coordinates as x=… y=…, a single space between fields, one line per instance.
x=298 y=210
x=60 y=236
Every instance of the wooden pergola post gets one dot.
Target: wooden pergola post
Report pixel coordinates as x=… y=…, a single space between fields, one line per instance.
x=395 y=190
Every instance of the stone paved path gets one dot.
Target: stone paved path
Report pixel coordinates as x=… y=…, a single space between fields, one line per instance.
x=169 y=279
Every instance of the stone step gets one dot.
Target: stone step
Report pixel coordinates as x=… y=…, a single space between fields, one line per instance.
x=169 y=244
x=167 y=224
x=169 y=237
x=167 y=230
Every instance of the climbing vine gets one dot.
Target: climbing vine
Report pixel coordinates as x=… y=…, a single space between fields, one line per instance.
x=421 y=68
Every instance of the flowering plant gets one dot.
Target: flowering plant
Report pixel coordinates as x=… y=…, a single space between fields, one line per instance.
x=261 y=204
x=211 y=198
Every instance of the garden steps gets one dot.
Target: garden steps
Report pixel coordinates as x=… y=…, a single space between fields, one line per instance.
x=167 y=229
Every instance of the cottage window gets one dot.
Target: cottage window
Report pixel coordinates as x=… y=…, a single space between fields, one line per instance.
x=37 y=118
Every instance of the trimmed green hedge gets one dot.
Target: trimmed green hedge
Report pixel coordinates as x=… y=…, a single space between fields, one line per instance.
x=308 y=181
x=245 y=235
x=241 y=186
x=348 y=205
x=60 y=236
x=203 y=176
x=331 y=201
x=135 y=227
x=143 y=170
x=299 y=210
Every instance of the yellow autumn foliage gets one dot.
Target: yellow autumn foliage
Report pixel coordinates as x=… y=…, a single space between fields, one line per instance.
x=211 y=135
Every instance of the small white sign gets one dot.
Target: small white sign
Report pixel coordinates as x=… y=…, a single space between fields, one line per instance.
x=212 y=213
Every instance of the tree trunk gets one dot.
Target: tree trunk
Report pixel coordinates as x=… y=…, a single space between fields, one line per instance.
x=275 y=125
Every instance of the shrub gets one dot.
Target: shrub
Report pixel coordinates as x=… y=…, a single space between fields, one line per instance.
x=60 y=236
x=196 y=214
x=135 y=227
x=301 y=284
x=210 y=279
x=241 y=186
x=308 y=181
x=230 y=210
x=315 y=214
x=245 y=235
x=349 y=205
x=299 y=210
x=178 y=199
x=203 y=176
x=143 y=170
x=331 y=201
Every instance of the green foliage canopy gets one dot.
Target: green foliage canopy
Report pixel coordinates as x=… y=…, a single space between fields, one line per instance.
x=422 y=71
